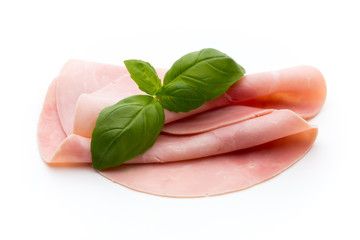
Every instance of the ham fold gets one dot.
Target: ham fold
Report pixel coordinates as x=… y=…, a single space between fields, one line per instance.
x=301 y=89
x=218 y=174
x=251 y=133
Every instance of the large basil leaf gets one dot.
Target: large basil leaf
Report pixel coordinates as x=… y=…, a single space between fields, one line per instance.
x=144 y=75
x=180 y=97
x=198 y=77
x=125 y=130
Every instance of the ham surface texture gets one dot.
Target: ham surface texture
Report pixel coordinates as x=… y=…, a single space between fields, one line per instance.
x=253 y=132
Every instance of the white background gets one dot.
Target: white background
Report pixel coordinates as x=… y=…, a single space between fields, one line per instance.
x=318 y=198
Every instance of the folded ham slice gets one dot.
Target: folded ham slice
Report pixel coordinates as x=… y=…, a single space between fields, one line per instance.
x=78 y=77
x=50 y=131
x=216 y=174
x=301 y=89
x=246 y=131
x=197 y=150
x=213 y=119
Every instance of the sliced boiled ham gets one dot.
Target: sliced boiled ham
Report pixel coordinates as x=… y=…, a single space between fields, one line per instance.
x=78 y=77
x=216 y=118
x=50 y=131
x=247 y=131
x=89 y=105
x=237 y=136
x=216 y=174
x=228 y=144
x=301 y=89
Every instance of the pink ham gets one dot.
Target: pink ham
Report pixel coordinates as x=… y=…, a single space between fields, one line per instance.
x=246 y=132
x=50 y=131
x=301 y=89
x=78 y=77
x=217 y=174
x=74 y=147
x=241 y=135
x=213 y=119
x=250 y=128
x=54 y=145
x=90 y=105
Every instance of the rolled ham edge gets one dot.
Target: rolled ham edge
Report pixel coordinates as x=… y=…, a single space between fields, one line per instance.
x=75 y=149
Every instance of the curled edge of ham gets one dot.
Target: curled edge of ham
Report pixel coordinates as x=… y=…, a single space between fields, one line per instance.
x=54 y=148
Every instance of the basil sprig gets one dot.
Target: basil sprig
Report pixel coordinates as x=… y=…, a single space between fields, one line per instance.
x=198 y=77
x=131 y=126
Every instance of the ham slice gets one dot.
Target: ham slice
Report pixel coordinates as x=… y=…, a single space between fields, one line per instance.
x=90 y=105
x=213 y=119
x=73 y=147
x=228 y=144
x=301 y=89
x=241 y=135
x=78 y=77
x=50 y=131
x=217 y=174
x=244 y=133
x=54 y=145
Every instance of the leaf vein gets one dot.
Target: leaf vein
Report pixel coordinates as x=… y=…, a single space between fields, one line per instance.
x=124 y=129
x=175 y=79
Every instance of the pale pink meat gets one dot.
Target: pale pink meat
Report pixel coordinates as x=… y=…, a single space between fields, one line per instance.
x=78 y=77
x=301 y=89
x=98 y=100
x=50 y=132
x=54 y=145
x=228 y=144
x=217 y=174
x=90 y=105
x=74 y=147
x=245 y=133
x=240 y=135
x=216 y=118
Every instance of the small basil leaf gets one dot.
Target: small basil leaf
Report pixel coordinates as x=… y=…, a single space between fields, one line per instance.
x=144 y=75
x=125 y=130
x=209 y=72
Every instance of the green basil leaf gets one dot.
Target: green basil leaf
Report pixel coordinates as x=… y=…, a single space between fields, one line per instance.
x=205 y=74
x=144 y=75
x=125 y=130
x=179 y=97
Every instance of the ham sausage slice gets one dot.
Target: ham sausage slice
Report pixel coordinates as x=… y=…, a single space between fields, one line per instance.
x=54 y=145
x=50 y=131
x=170 y=148
x=217 y=174
x=241 y=135
x=90 y=105
x=301 y=89
x=213 y=119
x=78 y=77
x=228 y=144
